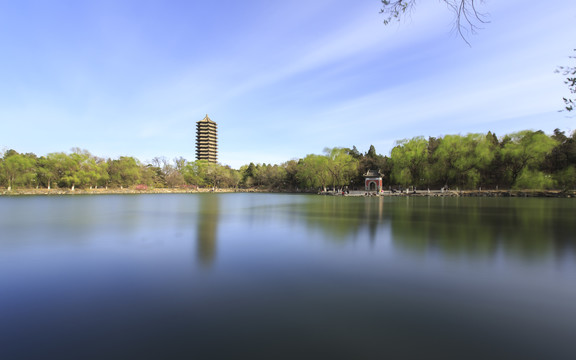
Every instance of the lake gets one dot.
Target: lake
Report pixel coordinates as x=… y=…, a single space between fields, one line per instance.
x=235 y=276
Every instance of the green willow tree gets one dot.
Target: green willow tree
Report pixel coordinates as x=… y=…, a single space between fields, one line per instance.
x=45 y=172
x=341 y=166
x=18 y=169
x=194 y=172
x=214 y=175
x=56 y=166
x=461 y=159
x=92 y=171
x=523 y=155
x=313 y=172
x=72 y=173
x=124 y=172
x=410 y=160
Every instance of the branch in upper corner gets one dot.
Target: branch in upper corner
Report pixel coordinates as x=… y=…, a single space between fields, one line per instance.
x=467 y=17
x=570 y=73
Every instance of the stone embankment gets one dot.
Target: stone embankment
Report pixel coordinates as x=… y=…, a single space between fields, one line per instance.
x=110 y=191
x=431 y=193
x=466 y=193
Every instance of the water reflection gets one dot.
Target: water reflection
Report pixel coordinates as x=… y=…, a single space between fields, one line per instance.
x=30 y=221
x=207 y=229
x=524 y=228
x=279 y=286
x=527 y=229
x=343 y=219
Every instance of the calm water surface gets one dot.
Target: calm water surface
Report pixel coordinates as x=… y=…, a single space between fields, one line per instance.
x=286 y=276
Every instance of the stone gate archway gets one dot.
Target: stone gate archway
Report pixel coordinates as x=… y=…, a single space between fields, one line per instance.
x=373 y=181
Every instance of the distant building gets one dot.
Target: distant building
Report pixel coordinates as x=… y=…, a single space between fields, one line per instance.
x=207 y=140
x=373 y=180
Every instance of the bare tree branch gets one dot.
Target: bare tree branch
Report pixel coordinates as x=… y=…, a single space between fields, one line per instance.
x=467 y=18
x=570 y=73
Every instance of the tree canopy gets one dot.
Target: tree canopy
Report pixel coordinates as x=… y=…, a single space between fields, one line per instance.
x=522 y=160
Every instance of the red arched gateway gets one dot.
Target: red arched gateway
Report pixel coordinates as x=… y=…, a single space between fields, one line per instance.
x=373 y=180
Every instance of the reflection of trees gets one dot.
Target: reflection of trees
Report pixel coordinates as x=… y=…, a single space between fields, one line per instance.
x=527 y=228
x=343 y=218
x=208 y=210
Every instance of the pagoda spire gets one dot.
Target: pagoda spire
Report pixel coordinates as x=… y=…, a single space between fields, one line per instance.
x=207 y=140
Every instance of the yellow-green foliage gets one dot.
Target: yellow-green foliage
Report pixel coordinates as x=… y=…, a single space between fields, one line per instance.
x=534 y=179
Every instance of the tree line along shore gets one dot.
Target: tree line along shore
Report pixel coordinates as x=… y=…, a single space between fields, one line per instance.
x=474 y=162
x=353 y=193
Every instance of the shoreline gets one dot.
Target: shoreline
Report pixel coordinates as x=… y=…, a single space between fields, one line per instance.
x=467 y=193
x=356 y=193
x=120 y=191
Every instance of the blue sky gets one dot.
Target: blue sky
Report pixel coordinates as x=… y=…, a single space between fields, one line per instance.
x=282 y=79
